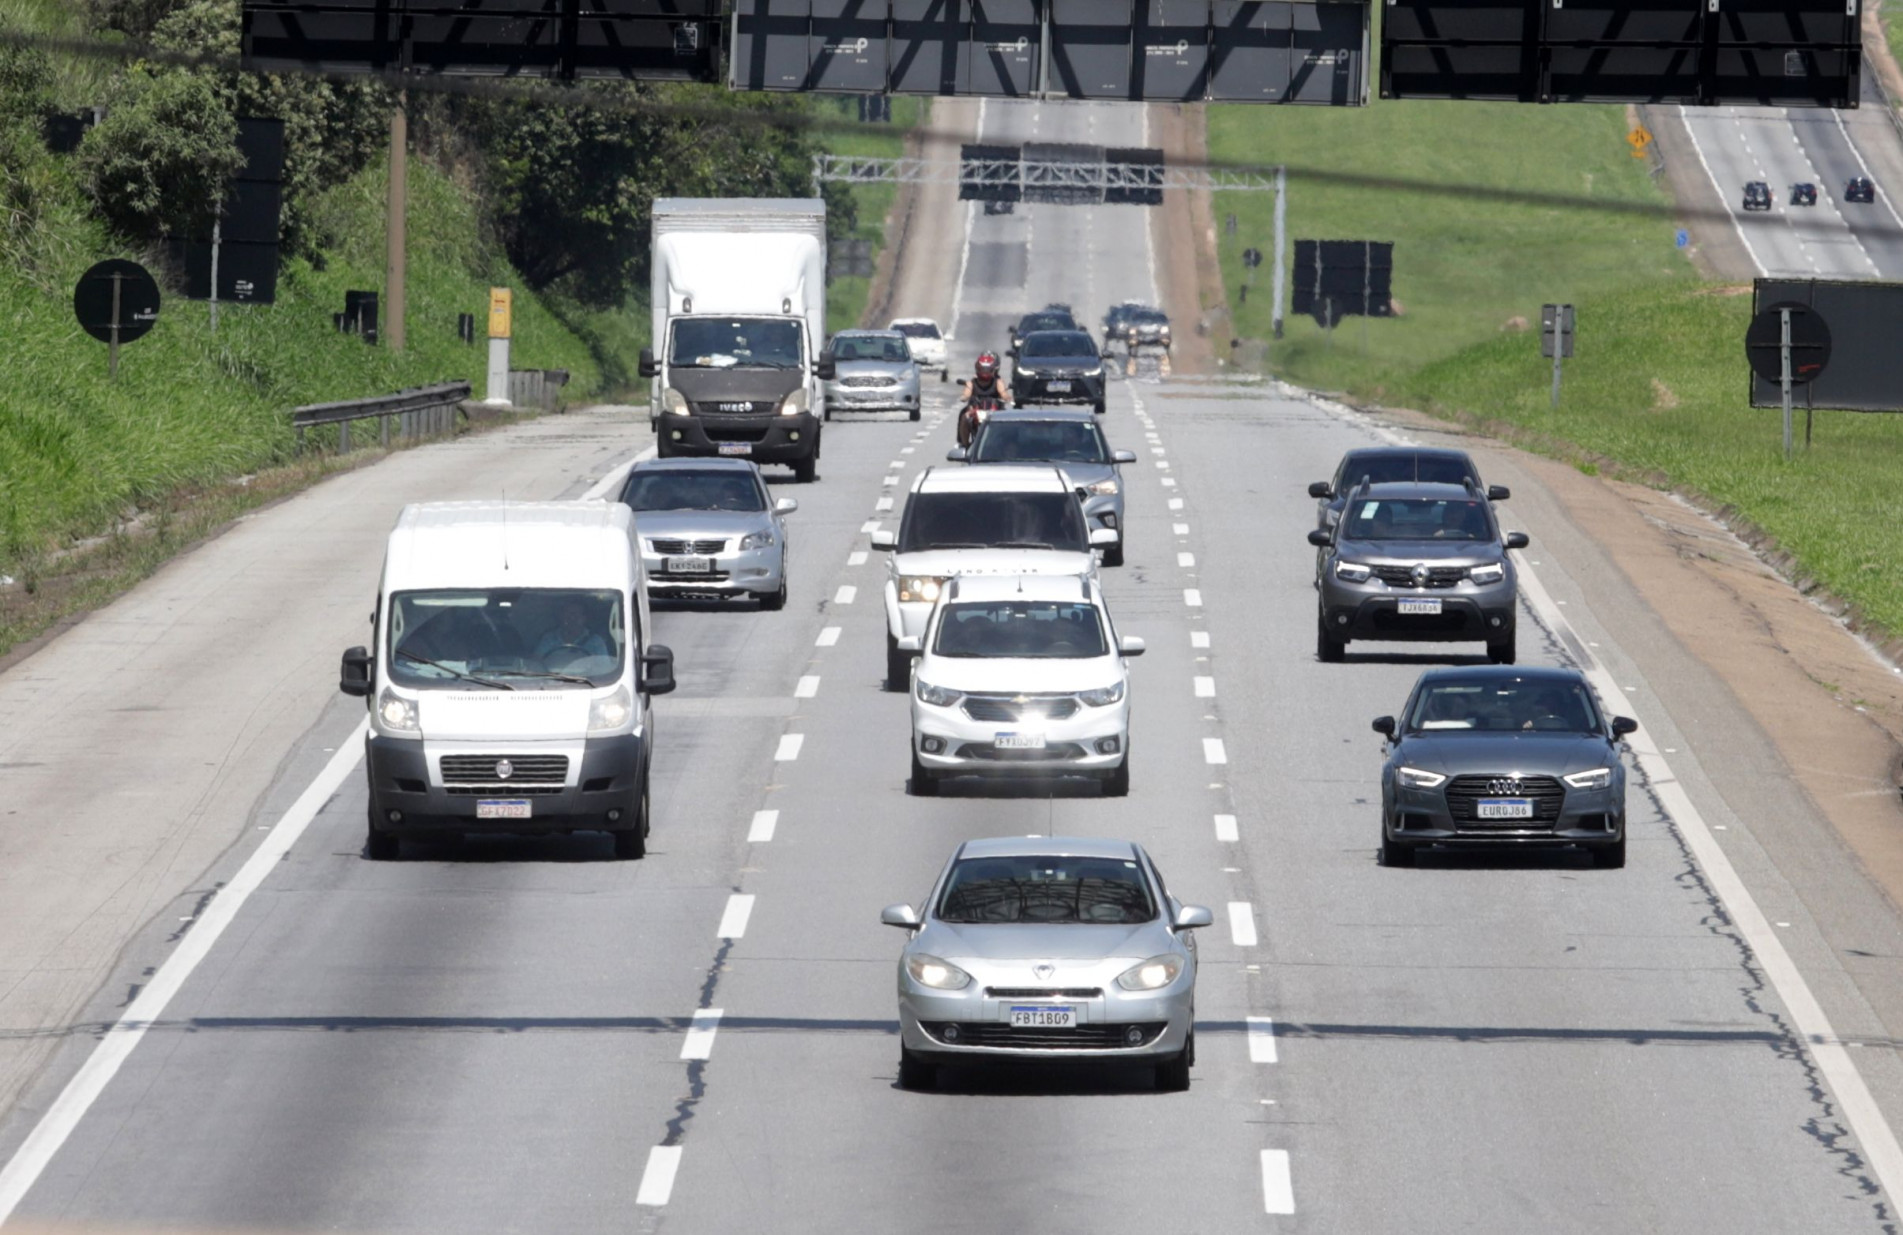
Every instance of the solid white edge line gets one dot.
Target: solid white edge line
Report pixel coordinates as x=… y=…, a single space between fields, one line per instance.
x=1213 y=751
x=63 y=1116
x=1242 y=924
x=657 y=1181
x=1852 y=143
x=964 y=254
x=616 y=475
x=699 y=1042
x=733 y=919
x=789 y=748
x=827 y=637
x=808 y=686
x=1261 y=1038
x=764 y=821
x=1278 y=1194
x=1226 y=828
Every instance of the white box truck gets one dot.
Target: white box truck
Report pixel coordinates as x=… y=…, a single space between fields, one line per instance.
x=737 y=358
x=509 y=675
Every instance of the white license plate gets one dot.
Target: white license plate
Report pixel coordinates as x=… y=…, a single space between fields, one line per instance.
x=1419 y=606
x=1057 y=387
x=1043 y=1018
x=1019 y=741
x=1504 y=808
x=517 y=808
x=735 y=448
x=689 y=565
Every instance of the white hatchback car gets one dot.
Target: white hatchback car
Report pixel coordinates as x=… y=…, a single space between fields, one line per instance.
x=1021 y=676
x=926 y=340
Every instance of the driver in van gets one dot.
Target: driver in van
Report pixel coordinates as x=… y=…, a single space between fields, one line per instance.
x=572 y=632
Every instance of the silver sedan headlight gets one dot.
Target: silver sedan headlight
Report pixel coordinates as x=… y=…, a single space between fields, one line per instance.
x=1418 y=778
x=937 y=974
x=1153 y=974
x=1597 y=778
x=757 y=540
x=1104 y=488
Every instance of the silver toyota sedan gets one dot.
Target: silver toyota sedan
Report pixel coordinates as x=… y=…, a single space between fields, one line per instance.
x=1048 y=950
x=874 y=371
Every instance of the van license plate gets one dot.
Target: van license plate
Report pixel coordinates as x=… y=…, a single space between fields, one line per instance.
x=735 y=448
x=1419 y=606
x=1060 y=388
x=1043 y=1018
x=1504 y=808
x=1019 y=741
x=689 y=565
x=517 y=808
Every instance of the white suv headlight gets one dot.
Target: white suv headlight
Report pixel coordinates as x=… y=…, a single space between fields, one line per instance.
x=937 y=974
x=920 y=587
x=1103 y=696
x=1597 y=778
x=1491 y=572
x=1353 y=572
x=1417 y=778
x=611 y=713
x=396 y=713
x=937 y=696
x=1150 y=975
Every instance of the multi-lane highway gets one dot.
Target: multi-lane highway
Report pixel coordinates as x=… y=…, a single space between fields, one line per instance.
x=522 y=1035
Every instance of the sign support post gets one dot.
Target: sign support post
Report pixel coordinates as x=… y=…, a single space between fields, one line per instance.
x=1784 y=365
x=112 y=348
x=1281 y=242
x=1556 y=355
x=501 y=305
x=397 y=207
x=217 y=238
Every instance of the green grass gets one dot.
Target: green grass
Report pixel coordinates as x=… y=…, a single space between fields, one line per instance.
x=846 y=299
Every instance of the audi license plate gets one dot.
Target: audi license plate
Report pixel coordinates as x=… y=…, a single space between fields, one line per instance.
x=1044 y=1017
x=1057 y=388
x=1019 y=741
x=1504 y=808
x=516 y=808
x=689 y=565
x=1419 y=606
x=735 y=448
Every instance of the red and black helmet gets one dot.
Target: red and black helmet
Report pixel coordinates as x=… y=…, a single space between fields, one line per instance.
x=987 y=365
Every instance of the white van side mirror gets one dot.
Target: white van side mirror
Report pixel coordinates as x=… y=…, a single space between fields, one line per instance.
x=1102 y=536
x=657 y=670
x=883 y=539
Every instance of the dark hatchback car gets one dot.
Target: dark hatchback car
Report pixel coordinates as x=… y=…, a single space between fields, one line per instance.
x=1058 y=366
x=1803 y=193
x=1385 y=464
x=1503 y=756
x=1043 y=319
x=1859 y=189
x=1757 y=195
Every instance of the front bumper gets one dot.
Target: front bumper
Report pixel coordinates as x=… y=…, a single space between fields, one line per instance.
x=1163 y=1020
x=903 y=397
x=605 y=780
x=764 y=439
x=1030 y=390
x=737 y=573
x=1358 y=612
x=1585 y=817
x=1091 y=742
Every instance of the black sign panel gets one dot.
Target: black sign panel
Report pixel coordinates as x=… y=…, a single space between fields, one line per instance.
x=1270 y=51
x=1865 y=369
x=1170 y=57
x=928 y=46
x=1090 y=48
x=848 y=45
x=772 y=44
x=1006 y=48
x=1049 y=182
x=1336 y=278
x=137 y=301
x=247 y=272
x=1773 y=52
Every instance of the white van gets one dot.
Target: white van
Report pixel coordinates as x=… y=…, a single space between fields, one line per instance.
x=510 y=673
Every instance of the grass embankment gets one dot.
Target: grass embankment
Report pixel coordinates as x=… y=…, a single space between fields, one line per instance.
x=846 y=298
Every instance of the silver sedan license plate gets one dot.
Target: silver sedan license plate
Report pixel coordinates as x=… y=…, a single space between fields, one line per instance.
x=1504 y=808
x=1058 y=387
x=689 y=565
x=1419 y=606
x=1043 y=1017
x=735 y=448
x=1019 y=741
x=515 y=808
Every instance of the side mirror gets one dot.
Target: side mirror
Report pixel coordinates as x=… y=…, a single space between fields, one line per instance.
x=647 y=366
x=911 y=643
x=1103 y=536
x=1123 y=456
x=1622 y=725
x=1130 y=645
x=786 y=506
x=957 y=454
x=1517 y=540
x=1192 y=917
x=1498 y=493
x=826 y=368
x=657 y=670
x=883 y=539
x=1321 y=488
x=354 y=677
x=1384 y=725
x=899 y=915
x=1319 y=538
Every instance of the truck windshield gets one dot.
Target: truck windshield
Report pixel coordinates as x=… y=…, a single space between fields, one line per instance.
x=736 y=343
x=993 y=521
x=513 y=638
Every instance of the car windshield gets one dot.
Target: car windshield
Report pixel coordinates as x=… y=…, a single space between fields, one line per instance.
x=1044 y=321
x=1507 y=705
x=1148 y=317
x=1059 y=343
x=1388 y=467
x=993 y=520
x=735 y=343
x=870 y=347
x=1036 y=630
x=917 y=330
x=506 y=638
x=667 y=489
x=1416 y=519
x=1039 y=441
x=1036 y=888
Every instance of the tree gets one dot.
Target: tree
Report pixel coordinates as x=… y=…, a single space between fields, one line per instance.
x=159 y=164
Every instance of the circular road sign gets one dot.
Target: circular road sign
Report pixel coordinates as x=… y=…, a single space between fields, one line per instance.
x=1252 y=258
x=138 y=300
x=1810 y=343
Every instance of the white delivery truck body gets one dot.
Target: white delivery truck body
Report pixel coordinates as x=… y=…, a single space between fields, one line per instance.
x=509 y=678
x=739 y=301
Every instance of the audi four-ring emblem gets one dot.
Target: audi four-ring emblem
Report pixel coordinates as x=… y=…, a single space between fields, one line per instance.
x=1505 y=784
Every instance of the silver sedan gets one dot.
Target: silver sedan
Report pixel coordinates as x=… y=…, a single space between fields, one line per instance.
x=1048 y=950
x=875 y=371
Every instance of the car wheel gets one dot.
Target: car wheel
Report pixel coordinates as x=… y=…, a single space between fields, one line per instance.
x=1328 y=649
x=923 y=783
x=1114 y=556
x=631 y=844
x=378 y=845
x=1117 y=784
x=804 y=470
x=1098 y=407
x=916 y=1073
x=1610 y=857
x=898 y=665
x=1173 y=1077
x=773 y=602
x=1504 y=652
x=1393 y=854
x=914 y=415
x=827 y=415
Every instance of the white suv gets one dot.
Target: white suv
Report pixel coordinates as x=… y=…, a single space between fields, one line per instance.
x=1021 y=676
x=985 y=519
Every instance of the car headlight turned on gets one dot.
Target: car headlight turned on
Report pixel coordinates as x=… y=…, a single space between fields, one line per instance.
x=756 y=540
x=1597 y=778
x=1353 y=572
x=1096 y=372
x=1491 y=572
x=1153 y=974
x=920 y=587
x=1416 y=778
x=1104 y=488
x=397 y=713
x=937 y=974
x=1103 y=696
x=611 y=712
x=937 y=696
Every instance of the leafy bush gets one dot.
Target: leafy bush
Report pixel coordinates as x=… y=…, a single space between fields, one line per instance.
x=161 y=160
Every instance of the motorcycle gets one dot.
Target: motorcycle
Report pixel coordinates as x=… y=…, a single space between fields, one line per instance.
x=974 y=414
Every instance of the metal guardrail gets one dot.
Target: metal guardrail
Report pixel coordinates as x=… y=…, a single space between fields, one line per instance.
x=422 y=412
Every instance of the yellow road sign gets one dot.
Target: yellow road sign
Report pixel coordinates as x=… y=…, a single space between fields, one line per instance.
x=500 y=306
x=1639 y=138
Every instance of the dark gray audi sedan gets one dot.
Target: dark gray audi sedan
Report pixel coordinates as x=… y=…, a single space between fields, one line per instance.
x=1497 y=755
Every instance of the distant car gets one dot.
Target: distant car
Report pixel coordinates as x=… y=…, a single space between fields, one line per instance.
x=1859 y=189
x=1048 y=951
x=709 y=530
x=873 y=371
x=1757 y=195
x=1058 y=366
x=1496 y=756
x=1146 y=328
x=925 y=339
x=1803 y=193
x=1382 y=464
x=1114 y=319
x=1070 y=438
x=1043 y=319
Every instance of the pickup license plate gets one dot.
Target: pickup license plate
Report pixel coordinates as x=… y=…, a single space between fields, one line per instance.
x=1504 y=808
x=1419 y=606
x=735 y=448
x=689 y=565
x=1019 y=741
x=1043 y=1017
x=517 y=808
x=1057 y=387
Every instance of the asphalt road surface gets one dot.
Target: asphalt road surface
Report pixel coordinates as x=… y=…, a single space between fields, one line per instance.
x=523 y=1035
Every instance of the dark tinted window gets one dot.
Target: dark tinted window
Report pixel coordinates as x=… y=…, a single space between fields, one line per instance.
x=917 y=330
x=682 y=490
x=1388 y=466
x=993 y=520
x=1045 y=321
x=1410 y=518
x=1111 y=891
x=1039 y=441
x=736 y=343
x=1059 y=343
x=1513 y=705
x=1039 y=629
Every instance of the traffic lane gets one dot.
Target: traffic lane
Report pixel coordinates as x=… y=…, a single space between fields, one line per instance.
x=1822 y=239
x=1720 y=138
x=1496 y=958
x=1826 y=139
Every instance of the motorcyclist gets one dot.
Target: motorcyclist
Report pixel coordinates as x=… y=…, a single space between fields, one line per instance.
x=984 y=392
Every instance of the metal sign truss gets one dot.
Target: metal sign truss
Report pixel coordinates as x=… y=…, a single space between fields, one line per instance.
x=1027 y=174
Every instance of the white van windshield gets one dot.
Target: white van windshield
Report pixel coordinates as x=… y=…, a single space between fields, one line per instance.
x=507 y=638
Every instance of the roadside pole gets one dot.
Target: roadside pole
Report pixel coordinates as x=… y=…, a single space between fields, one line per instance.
x=398 y=207
x=1281 y=242
x=1784 y=365
x=118 y=281
x=501 y=327
x=217 y=238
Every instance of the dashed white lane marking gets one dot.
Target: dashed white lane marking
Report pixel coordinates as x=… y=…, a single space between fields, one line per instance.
x=1182 y=529
x=1193 y=597
x=1163 y=464
x=1241 y=923
x=845 y=595
x=1278 y=1194
x=1205 y=687
x=764 y=821
x=1226 y=828
x=897 y=465
x=733 y=920
x=657 y=1181
x=870 y=525
x=808 y=687
x=884 y=503
x=858 y=557
x=889 y=481
x=1261 y=1039
x=1213 y=751
x=906 y=450
x=789 y=750
x=1176 y=503
x=827 y=637
x=700 y=1035
x=1199 y=638
x=1169 y=482
x=1186 y=559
